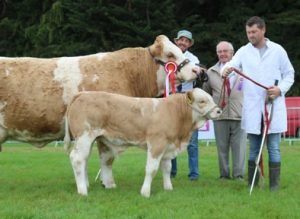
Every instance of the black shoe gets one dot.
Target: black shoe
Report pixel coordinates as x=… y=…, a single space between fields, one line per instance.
x=225 y=177
x=240 y=178
x=173 y=175
x=251 y=170
x=193 y=178
x=274 y=175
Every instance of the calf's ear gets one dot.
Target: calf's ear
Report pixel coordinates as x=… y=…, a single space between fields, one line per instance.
x=190 y=97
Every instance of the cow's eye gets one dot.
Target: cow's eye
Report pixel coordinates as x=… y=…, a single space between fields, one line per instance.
x=170 y=55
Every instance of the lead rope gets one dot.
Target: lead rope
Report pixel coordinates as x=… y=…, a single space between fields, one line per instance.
x=226 y=85
x=225 y=89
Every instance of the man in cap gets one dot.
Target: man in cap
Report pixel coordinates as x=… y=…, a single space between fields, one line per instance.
x=184 y=41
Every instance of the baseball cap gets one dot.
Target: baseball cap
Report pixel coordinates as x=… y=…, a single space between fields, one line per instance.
x=185 y=33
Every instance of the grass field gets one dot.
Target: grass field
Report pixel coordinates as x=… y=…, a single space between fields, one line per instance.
x=39 y=183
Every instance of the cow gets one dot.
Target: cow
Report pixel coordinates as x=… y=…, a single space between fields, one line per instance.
x=163 y=126
x=35 y=92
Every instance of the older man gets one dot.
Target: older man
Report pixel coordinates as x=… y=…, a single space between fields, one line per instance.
x=228 y=132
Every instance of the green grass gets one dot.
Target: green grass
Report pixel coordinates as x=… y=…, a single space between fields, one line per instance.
x=39 y=183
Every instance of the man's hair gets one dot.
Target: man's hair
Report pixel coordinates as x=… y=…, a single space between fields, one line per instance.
x=228 y=43
x=256 y=20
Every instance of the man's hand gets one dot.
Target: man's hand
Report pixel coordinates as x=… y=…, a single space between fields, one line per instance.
x=273 y=92
x=227 y=71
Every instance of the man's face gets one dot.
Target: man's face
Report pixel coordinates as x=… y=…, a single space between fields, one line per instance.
x=255 y=35
x=224 y=52
x=183 y=43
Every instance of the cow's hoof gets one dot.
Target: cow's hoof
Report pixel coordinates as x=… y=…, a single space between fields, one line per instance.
x=82 y=193
x=112 y=186
x=168 y=187
x=109 y=185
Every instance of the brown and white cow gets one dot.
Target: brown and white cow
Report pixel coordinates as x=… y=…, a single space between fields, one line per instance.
x=35 y=92
x=162 y=126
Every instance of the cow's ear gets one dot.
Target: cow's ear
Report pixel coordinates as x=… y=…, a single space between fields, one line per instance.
x=190 y=97
x=156 y=48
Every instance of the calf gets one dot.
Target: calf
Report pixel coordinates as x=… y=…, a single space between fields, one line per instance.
x=35 y=92
x=162 y=126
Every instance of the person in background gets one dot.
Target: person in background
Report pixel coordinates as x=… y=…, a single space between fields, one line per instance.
x=265 y=62
x=184 y=41
x=228 y=132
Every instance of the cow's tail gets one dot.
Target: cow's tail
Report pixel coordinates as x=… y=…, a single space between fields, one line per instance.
x=67 y=138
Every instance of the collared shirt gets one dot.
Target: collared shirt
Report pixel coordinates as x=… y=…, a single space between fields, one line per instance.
x=274 y=64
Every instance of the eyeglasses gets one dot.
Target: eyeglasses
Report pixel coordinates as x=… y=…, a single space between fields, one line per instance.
x=224 y=51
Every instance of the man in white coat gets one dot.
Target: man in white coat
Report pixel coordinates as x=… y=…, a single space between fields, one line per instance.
x=264 y=61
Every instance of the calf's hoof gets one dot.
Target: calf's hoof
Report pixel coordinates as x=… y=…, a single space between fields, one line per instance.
x=145 y=193
x=83 y=193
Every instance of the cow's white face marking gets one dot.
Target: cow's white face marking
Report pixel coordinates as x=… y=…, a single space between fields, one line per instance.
x=69 y=75
x=185 y=74
x=172 y=48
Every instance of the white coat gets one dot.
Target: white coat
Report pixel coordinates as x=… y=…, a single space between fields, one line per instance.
x=273 y=65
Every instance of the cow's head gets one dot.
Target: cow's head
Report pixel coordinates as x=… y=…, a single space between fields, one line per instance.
x=203 y=106
x=163 y=51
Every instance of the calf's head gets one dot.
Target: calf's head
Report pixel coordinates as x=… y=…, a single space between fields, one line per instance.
x=203 y=106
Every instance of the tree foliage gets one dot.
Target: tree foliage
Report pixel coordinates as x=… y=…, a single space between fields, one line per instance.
x=52 y=28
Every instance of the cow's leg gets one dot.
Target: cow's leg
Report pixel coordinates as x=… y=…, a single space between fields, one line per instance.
x=3 y=136
x=106 y=158
x=165 y=166
x=79 y=156
x=153 y=161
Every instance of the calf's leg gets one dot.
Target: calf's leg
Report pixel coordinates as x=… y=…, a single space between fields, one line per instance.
x=106 y=157
x=165 y=166
x=79 y=156
x=154 y=156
